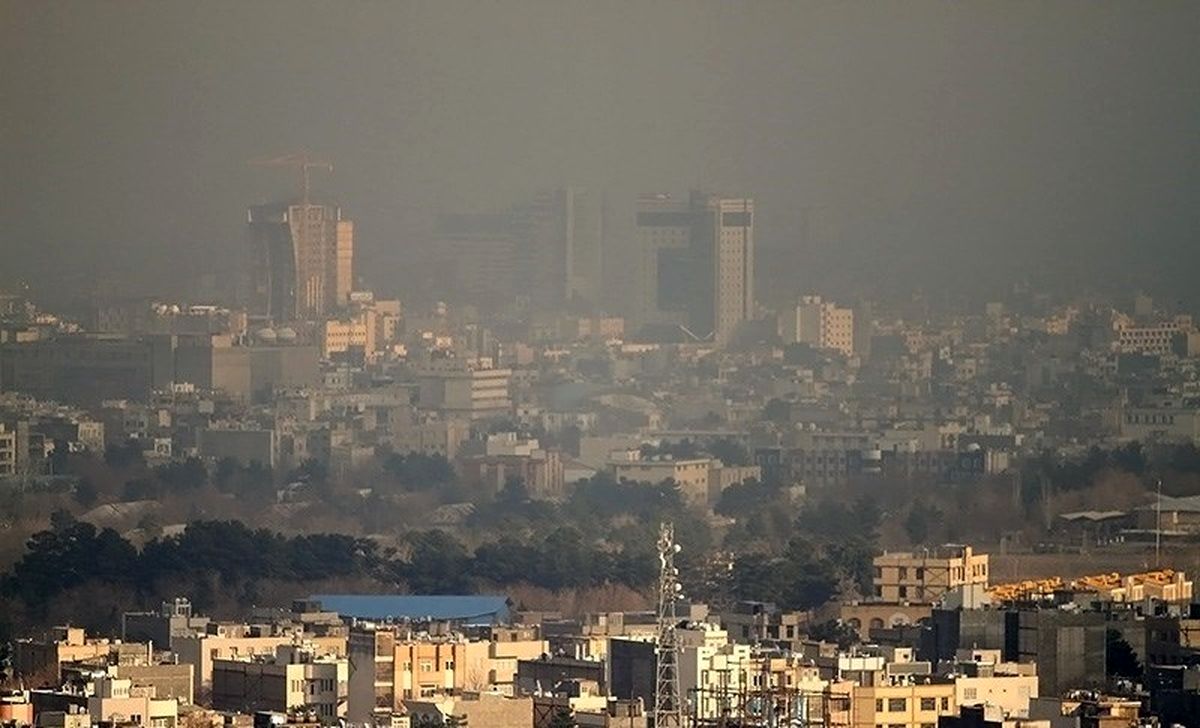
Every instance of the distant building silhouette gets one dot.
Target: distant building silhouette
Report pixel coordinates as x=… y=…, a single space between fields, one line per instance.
x=697 y=263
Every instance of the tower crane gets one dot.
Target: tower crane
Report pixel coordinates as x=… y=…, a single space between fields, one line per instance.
x=302 y=162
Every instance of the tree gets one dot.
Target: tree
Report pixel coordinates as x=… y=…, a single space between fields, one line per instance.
x=920 y=522
x=777 y=411
x=61 y=520
x=59 y=457
x=418 y=471
x=1121 y=659
x=124 y=456
x=438 y=564
x=729 y=452
x=836 y=631
x=189 y=474
x=797 y=579
x=140 y=489
x=514 y=490
x=745 y=498
x=86 y=493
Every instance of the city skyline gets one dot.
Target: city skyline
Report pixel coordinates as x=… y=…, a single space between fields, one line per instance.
x=599 y=364
x=885 y=146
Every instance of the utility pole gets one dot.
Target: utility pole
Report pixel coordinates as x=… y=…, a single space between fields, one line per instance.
x=667 y=708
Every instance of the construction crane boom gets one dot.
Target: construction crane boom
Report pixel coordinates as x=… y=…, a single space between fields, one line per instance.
x=302 y=162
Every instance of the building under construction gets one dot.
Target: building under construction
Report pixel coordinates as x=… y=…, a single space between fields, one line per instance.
x=302 y=261
x=771 y=707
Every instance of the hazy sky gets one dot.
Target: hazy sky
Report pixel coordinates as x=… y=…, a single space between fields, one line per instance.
x=881 y=140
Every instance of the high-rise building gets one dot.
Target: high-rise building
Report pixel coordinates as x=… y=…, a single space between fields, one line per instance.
x=583 y=220
x=472 y=258
x=303 y=260
x=547 y=251
x=697 y=263
x=819 y=323
x=558 y=246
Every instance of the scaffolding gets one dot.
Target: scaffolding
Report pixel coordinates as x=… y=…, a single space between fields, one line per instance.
x=769 y=707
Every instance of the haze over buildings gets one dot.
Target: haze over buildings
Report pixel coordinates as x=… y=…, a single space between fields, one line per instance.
x=897 y=146
x=612 y=365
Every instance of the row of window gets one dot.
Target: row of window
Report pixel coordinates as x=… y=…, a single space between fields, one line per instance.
x=1149 y=419
x=899 y=705
x=427 y=665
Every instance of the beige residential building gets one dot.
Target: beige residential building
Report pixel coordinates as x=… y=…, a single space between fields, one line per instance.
x=690 y=475
x=431 y=437
x=389 y=667
x=470 y=390
x=296 y=677
x=339 y=336
x=117 y=700
x=169 y=681
x=506 y=647
x=903 y=704
x=44 y=658
x=509 y=457
x=473 y=708
x=1159 y=339
x=8 y=451
x=927 y=575
x=238 y=642
x=819 y=323
x=1167 y=420
x=865 y=616
x=700 y=480
x=370 y=325
x=714 y=674
x=1010 y=693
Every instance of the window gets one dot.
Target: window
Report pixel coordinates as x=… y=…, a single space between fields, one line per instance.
x=945 y=703
x=928 y=703
x=897 y=705
x=903 y=572
x=903 y=592
x=426 y=666
x=449 y=664
x=970 y=693
x=878 y=705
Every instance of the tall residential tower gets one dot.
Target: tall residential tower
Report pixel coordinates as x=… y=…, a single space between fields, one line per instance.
x=303 y=258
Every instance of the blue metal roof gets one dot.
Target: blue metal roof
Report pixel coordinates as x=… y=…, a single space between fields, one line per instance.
x=472 y=609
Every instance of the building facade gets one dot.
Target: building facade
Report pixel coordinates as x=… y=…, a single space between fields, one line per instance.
x=302 y=260
x=925 y=576
x=696 y=263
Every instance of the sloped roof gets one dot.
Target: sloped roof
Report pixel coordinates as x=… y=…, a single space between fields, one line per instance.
x=1171 y=503
x=472 y=609
x=1091 y=515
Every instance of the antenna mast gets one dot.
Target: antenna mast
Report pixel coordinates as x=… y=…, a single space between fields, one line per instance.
x=667 y=705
